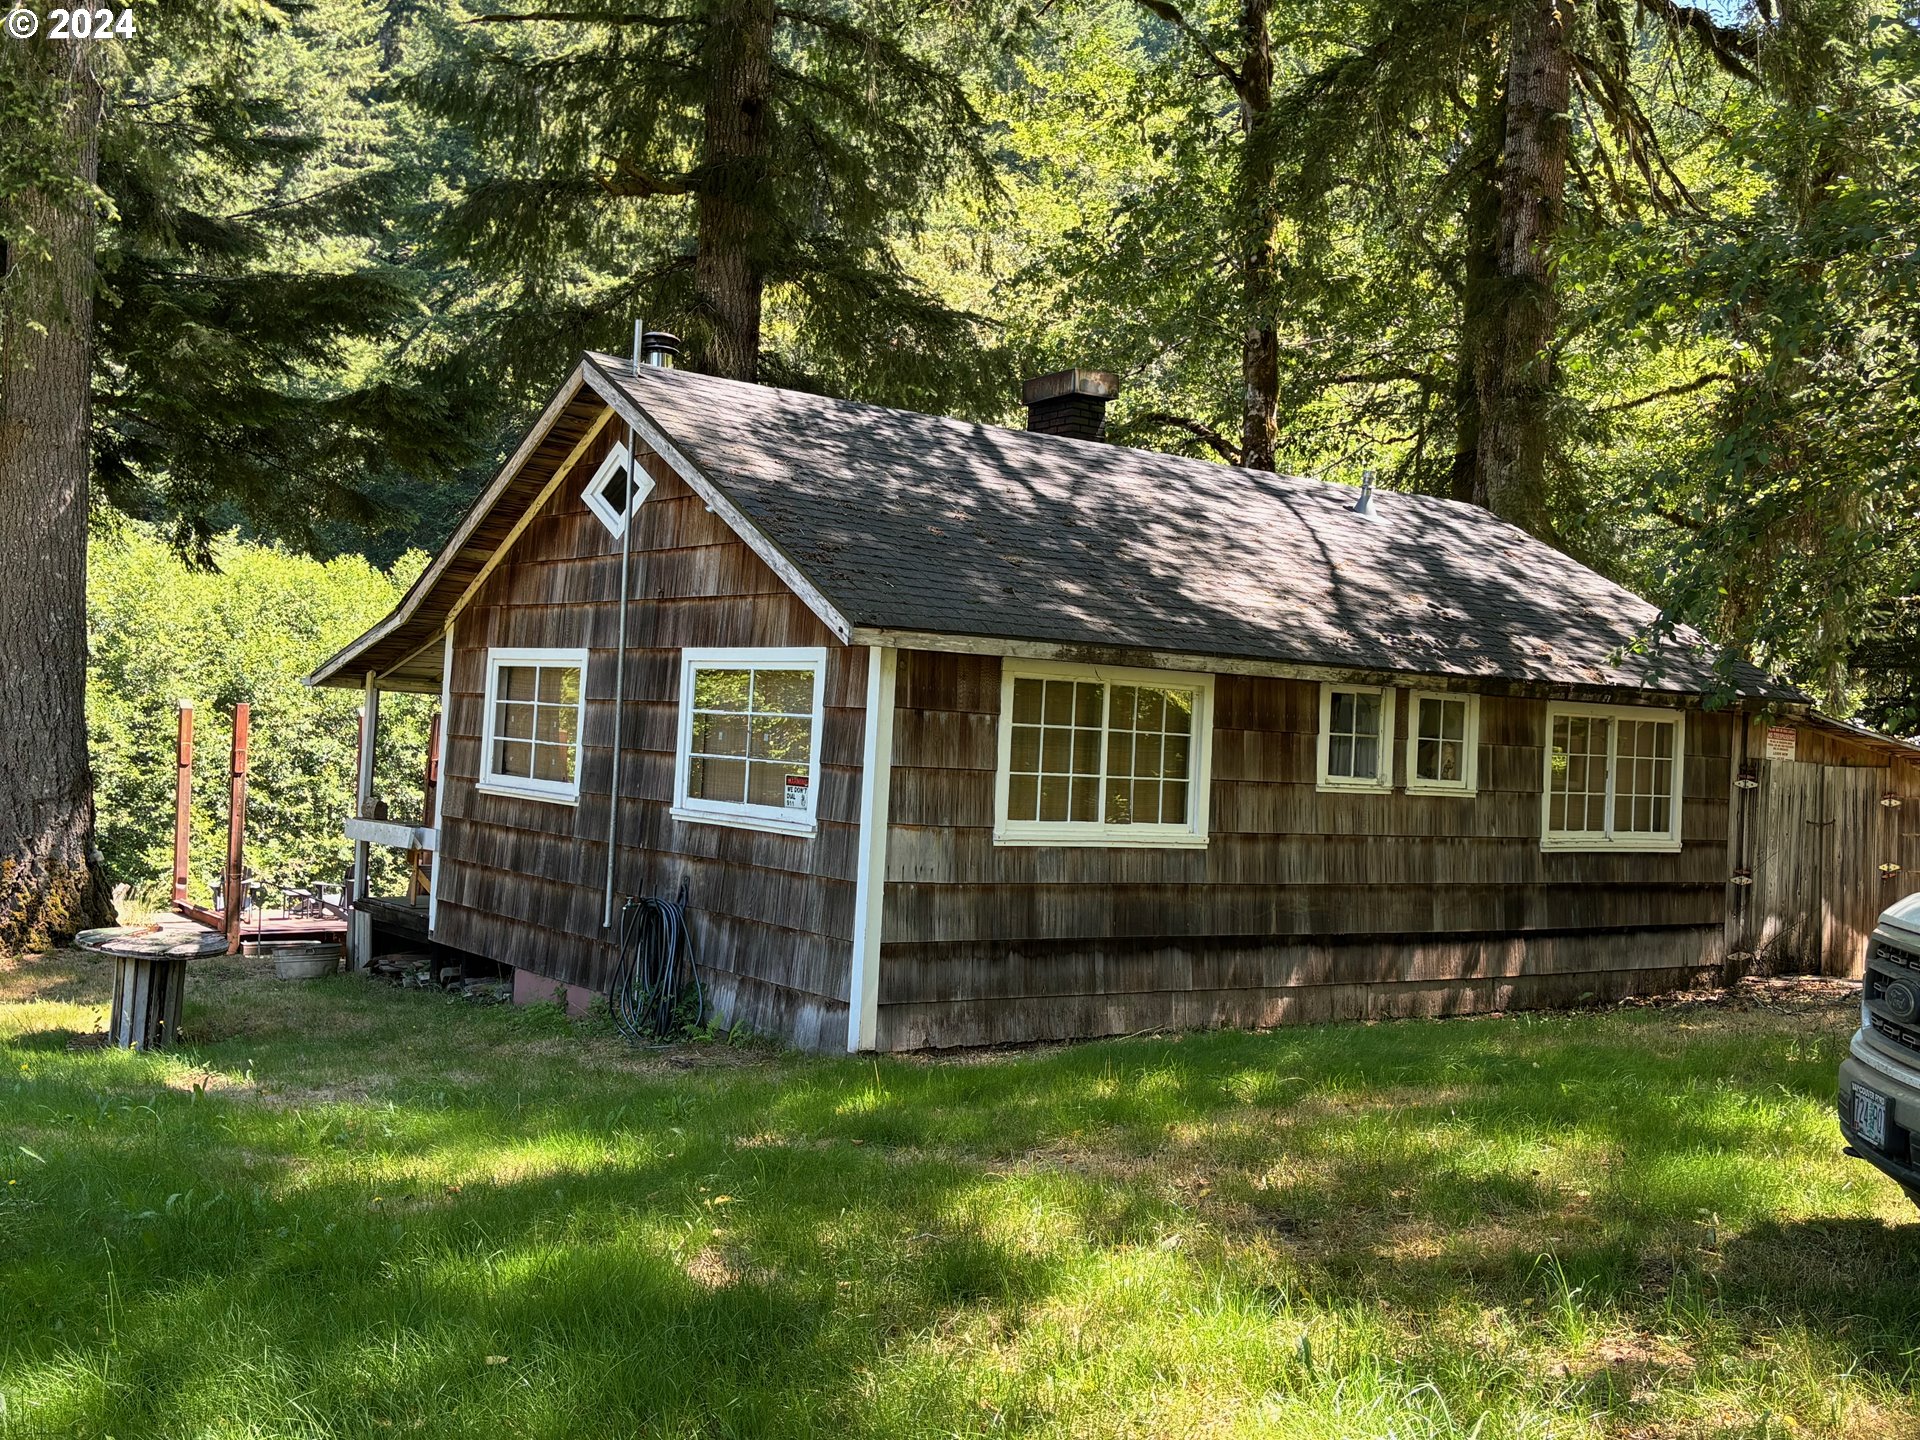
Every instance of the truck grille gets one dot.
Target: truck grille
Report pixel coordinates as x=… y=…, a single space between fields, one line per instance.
x=1892 y=993
x=1899 y=1034
x=1888 y=953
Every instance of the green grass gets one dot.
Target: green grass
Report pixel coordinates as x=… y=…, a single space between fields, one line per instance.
x=345 y=1210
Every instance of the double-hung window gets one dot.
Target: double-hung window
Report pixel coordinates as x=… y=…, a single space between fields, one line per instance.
x=749 y=751
x=1613 y=778
x=1443 y=743
x=530 y=743
x=1093 y=755
x=1356 y=737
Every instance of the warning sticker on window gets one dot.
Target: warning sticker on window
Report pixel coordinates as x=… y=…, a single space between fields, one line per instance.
x=796 y=792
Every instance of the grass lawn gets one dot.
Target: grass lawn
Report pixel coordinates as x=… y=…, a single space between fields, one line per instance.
x=346 y=1210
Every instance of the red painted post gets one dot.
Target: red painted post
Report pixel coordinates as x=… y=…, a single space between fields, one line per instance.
x=182 y=801
x=236 y=827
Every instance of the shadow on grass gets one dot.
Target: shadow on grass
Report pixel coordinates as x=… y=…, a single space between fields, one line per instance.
x=58 y=1037
x=588 y=1244
x=1838 y=1276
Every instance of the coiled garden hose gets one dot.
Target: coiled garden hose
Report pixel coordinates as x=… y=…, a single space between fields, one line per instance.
x=657 y=971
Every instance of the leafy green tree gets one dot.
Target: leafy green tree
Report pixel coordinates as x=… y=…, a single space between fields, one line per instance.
x=1786 y=308
x=163 y=631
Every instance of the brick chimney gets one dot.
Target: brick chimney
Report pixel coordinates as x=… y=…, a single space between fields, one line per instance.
x=1070 y=402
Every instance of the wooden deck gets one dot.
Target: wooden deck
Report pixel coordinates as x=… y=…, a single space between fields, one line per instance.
x=256 y=925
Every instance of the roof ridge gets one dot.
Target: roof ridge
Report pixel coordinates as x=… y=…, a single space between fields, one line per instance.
x=622 y=371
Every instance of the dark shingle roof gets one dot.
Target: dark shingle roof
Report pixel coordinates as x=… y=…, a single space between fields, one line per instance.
x=917 y=522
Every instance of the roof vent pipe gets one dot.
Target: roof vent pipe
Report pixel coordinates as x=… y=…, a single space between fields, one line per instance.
x=1070 y=402
x=660 y=349
x=1364 y=505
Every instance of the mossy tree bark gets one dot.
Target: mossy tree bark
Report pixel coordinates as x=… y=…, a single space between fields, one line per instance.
x=1513 y=370
x=51 y=882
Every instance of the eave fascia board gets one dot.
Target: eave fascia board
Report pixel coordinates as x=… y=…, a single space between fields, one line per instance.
x=953 y=644
x=564 y=469
x=646 y=429
x=339 y=668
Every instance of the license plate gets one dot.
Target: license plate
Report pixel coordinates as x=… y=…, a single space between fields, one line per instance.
x=1870 y=1117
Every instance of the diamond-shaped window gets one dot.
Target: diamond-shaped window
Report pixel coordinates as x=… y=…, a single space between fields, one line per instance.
x=617 y=490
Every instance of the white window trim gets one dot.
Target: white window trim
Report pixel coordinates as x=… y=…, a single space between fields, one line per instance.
x=1469 y=782
x=639 y=486
x=742 y=816
x=1381 y=783
x=524 y=787
x=1092 y=834
x=1565 y=840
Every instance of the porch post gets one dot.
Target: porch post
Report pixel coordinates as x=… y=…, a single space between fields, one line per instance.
x=441 y=732
x=359 y=922
x=236 y=894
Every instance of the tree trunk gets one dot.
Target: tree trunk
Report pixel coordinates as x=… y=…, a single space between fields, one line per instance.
x=1260 y=344
x=1478 y=270
x=51 y=883
x=732 y=209
x=1513 y=375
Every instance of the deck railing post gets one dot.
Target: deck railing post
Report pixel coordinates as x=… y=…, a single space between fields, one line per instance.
x=182 y=801
x=236 y=898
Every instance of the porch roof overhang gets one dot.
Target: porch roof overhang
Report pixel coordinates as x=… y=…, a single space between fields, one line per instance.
x=1892 y=745
x=405 y=651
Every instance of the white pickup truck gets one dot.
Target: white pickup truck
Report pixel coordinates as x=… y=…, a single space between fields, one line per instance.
x=1880 y=1078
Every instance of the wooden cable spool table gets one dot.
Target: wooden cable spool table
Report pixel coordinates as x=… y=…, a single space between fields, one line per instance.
x=149 y=977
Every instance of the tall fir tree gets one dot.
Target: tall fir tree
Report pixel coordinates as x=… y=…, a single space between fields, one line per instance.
x=744 y=171
x=51 y=881
x=200 y=325
x=263 y=361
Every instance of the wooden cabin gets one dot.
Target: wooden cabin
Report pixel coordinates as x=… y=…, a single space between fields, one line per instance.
x=962 y=735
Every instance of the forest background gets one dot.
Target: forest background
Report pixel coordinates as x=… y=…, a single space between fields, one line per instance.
x=1643 y=278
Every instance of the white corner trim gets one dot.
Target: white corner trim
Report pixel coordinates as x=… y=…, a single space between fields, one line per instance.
x=717 y=500
x=870 y=884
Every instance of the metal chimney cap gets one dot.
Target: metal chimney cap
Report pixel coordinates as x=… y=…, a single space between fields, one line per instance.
x=1097 y=384
x=659 y=348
